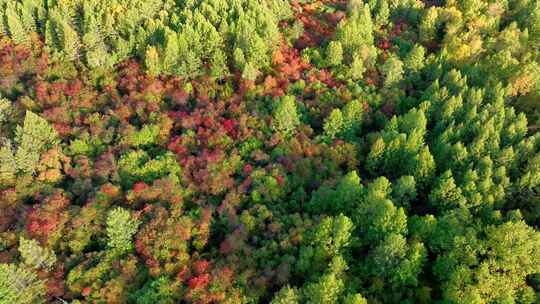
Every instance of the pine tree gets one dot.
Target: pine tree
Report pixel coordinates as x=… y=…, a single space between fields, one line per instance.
x=357 y=67
x=8 y=166
x=534 y=27
x=353 y=114
x=404 y=190
x=96 y=54
x=286 y=295
x=428 y=25
x=445 y=194
x=5 y=110
x=285 y=118
x=334 y=53
x=20 y=285
x=415 y=59
x=36 y=256
x=392 y=70
x=121 y=227
x=333 y=124
x=151 y=61
x=356 y=31
x=397 y=261
x=35 y=137
x=250 y=72
x=14 y=24
x=354 y=299
x=68 y=39
x=377 y=217
x=382 y=12
x=328 y=288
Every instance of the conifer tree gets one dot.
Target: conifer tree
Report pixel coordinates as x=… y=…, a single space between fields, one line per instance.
x=32 y=139
x=285 y=118
x=8 y=166
x=151 y=61
x=382 y=12
x=356 y=31
x=14 y=24
x=286 y=295
x=20 y=285
x=5 y=110
x=333 y=124
x=121 y=226
x=357 y=67
x=354 y=299
x=445 y=194
x=334 y=53
x=36 y=256
x=415 y=58
x=392 y=70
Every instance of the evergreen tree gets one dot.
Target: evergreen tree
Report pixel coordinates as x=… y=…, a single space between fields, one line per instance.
x=353 y=116
x=328 y=288
x=151 y=61
x=357 y=67
x=121 y=227
x=285 y=118
x=5 y=110
x=14 y=24
x=392 y=70
x=445 y=194
x=286 y=295
x=334 y=53
x=356 y=31
x=415 y=58
x=396 y=261
x=354 y=299
x=333 y=124
x=32 y=139
x=382 y=12
x=8 y=166
x=36 y=256
x=20 y=285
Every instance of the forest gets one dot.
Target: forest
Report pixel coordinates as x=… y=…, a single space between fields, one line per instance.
x=270 y=151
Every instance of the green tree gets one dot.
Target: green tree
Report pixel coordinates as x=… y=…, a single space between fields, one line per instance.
x=354 y=299
x=334 y=53
x=33 y=138
x=357 y=67
x=415 y=59
x=151 y=61
x=342 y=198
x=404 y=191
x=333 y=124
x=445 y=194
x=356 y=32
x=353 y=116
x=137 y=165
x=392 y=70
x=382 y=12
x=8 y=166
x=36 y=256
x=13 y=23
x=160 y=290
x=5 y=110
x=328 y=288
x=285 y=118
x=396 y=261
x=20 y=285
x=286 y=295
x=377 y=217
x=121 y=226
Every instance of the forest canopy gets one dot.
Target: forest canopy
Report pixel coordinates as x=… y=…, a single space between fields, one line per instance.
x=270 y=151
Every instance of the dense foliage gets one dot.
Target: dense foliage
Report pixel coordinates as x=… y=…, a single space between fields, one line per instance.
x=271 y=151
